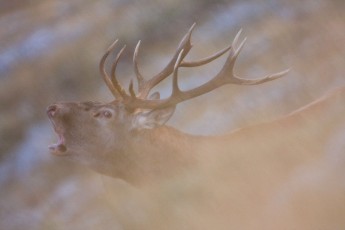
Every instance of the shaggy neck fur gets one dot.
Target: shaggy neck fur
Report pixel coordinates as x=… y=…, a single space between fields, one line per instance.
x=152 y=154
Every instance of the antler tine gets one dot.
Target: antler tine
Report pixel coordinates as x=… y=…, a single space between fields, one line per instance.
x=175 y=88
x=206 y=60
x=103 y=72
x=212 y=57
x=114 y=80
x=135 y=63
x=131 y=89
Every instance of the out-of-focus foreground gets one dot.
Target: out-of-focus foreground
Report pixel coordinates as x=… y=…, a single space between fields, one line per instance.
x=49 y=51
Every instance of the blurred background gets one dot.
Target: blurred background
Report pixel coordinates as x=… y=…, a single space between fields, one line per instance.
x=50 y=50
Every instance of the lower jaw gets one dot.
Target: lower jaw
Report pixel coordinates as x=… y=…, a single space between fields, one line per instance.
x=58 y=149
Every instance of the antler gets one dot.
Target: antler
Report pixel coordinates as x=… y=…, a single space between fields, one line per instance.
x=225 y=76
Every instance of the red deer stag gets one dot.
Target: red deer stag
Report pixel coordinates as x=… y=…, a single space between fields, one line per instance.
x=127 y=138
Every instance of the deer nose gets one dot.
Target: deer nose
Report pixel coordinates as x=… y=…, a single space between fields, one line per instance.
x=51 y=110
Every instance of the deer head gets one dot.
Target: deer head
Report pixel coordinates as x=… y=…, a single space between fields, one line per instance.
x=106 y=135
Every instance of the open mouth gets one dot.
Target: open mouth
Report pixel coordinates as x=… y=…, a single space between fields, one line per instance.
x=58 y=148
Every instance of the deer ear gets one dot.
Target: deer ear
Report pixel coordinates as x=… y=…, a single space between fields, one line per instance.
x=153 y=119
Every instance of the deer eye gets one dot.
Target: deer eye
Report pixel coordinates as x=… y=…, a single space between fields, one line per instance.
x=107 y=114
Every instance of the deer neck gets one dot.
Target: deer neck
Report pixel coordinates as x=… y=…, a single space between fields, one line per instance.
x=153 y=154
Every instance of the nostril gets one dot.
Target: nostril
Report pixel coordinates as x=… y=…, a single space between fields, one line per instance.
x=51 y=110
